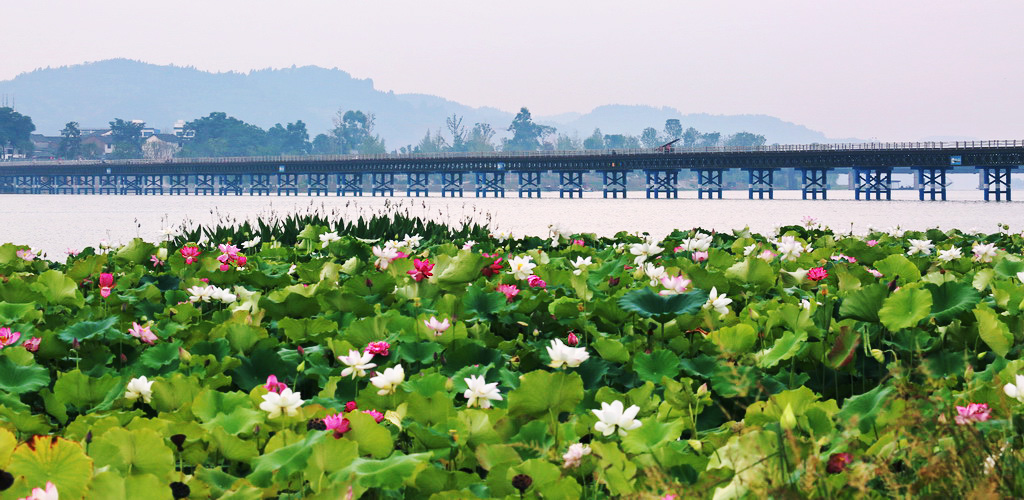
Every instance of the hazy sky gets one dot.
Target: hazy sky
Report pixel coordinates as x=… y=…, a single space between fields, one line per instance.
x=892 y=70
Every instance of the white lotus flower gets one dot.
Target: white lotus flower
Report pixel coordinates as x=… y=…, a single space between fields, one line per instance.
x=200 y=293
x=286 y=401
x=480 y=393
x=521 y=267
x=719 y=303
x=1020 y=276
x=674 y=285
x=357 y=363
x=924 y=247
x=655 y=273
x=613 y=417
x=562 y=354
x=575 y=454
x=468 y=245
x=412 y=241
x=501 y=236
x=950 y=254
x=790 y=249
x=749 y=249
x=139 y=388
x=643 y=251
x=223 y=295
x=580 y=264
x=384 y=256
x=388 y=381
x=251 y=243
x=1016 y=389
x=327 y=238
x=700 y=242
x=984 y=253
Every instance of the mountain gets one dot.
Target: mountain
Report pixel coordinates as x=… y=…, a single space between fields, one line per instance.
x=96 y=93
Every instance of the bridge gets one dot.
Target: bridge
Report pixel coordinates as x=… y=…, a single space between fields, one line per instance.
x=870 y=165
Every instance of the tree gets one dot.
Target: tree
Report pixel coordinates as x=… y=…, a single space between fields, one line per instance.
x=595 y=141
x=621 y=141
x=480 y=138
x=290 y=140
x=70 y=142
x=432 y=144
x=568 y=143
x=673 y=129
x=15 y=131
x=352 y=129
x=458 y=132
x=649 y=138
x=526 y=135
x=127 y=138
x=690 y=137
x=745 y=139
x=325 y=144
x=709 y=140
x=221 y=135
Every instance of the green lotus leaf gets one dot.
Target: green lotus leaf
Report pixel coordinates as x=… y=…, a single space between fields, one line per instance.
x=458 y=270
x=542 y=392
x=482 y=305
x=862 y=410
x=905 y=308
x=647 y=303
x=844 y=348
x=864 y=304
x=285 y=462
x=1008 y=267
x=328 y=456
x=306 y=329
x=82 y=391
x=58 y=289
x=17 y=379
x=752 y=271
x=735 y=340
x=950 y=299
x=993 y=331
x=785 y=347
x=162 y=357
x=898 y=266
x=395 y=470
x=652 y=367
x=11 y=313
x=52 y=459
x=611 y=349
x=86 y=330
x=652 y=435
x=138 y=451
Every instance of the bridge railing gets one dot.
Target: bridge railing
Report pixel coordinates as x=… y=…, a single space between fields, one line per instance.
x=527 y=155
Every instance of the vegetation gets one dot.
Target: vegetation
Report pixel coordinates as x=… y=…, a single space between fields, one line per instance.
x=15 y=129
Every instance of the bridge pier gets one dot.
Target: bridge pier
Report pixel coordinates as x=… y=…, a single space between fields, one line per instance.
x=204 y=184
x=872 y=180
x=24 y=184
x=383 y=184
x=529 y=184
x=418 y=183
x=571 y=183
x=131 y=183
x=287 y=184
x=995 y=180
x=44 y=185
x=179 y=184
x=317 y=183
x=451 y=184
x=7 y=184
x=259 y=184
x=85 y=184
x=709 y=181
x=814 y=181
x=231 y=184
x=108 y=184
x=760 y=181
x=153 y=184
x=64 y=184
x=490 y=182
x=614 y=183
x=350 y=183
x=662 y=182
x=931 y=181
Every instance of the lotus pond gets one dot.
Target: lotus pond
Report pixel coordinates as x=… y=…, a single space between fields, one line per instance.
x=399 y=358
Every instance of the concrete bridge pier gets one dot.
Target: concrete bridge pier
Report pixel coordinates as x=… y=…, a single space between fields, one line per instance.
x=662 y=182
x=995 y=181
x=86 y=184
x=931 y=181
x=571 y=183
x=872 y=180
x=351 y=183
x=451 y=184
x=153 y=184
x=382 y=183
x=204 y=184
x=760 y=181
x=529 y=184
x=814 y=181
x=614 y=183
x=179 y=184
x=231 y=184
x=490 y=182
x=418 y=184
x=259 y=184
x=709 y=181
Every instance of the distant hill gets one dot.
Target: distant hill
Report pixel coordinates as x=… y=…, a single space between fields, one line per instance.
x=96 y=93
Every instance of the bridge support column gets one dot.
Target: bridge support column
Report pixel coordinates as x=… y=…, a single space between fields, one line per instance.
x=614 y=183
x=259 y=184
x=418 y=183
x=43 y=185
x=451 y=184
x=108 y=184
x=64 y=184
x=872 y=180
x=317 y=183
x=662 y=182
x=204 y=184
x=931 y=181
x=132 y=183
x=85 y=184
x=179 y=184
x=24 y=184
x=7 y=184
x=709 y=181
x=571 y=184
x=383 y=184
x=231 y=184
x=288 y=184
x=350 y=184
x=490 y=182
x=153 y=184
x=760 y=181
x=995 y=181
x=529 y=184
x=814 y=181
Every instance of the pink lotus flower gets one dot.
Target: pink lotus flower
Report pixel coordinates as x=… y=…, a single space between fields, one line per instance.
x=50 y=493
x=838 y=462
x=377 y=416
x=572 y=340
x=674 y=285
x=337 y=423
x=351 y=406
x=155 y=260
x=767 y=255
x=492 y=268
x=7 y=337
x=509 y=291
x=872 y=243
x=817 y=274
x=438 y=327
x=699 y=256
x=273 y=385
x=72 y=252
x=190 y=253
x=535 y=282
x=25 y=254
x=106 y=284
x=876 y=273
x=379 y=348
x=578 y=242
x=421 y=269
x=32 y=344
x=227 y=249
x=142 y=333
x=973 y=412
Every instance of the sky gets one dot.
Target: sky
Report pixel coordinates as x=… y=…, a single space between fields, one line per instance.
x=872 y=69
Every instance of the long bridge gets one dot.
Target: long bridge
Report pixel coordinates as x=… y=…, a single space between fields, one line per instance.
x=871 y=166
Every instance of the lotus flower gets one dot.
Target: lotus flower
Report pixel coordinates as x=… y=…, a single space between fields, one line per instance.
x=337 y=423
x=614 y=418
x=817 y=273
x=7 y=337
x=190 y=253
x=535 y=282
x=143 y=333
x=562 y=354
x=106 y=283
x=377 y=416
x=575 y=455
x=1016 y=389
x=327 y=238
x=439 y=327
x=719 y=303
x=139 y=387
x=421 y=269
x=357 y=364
x=493 y=268
x=480 y=393
x=388 y=381
x=521 y=267
x=50 y=493
x=32 y=344
x=924 y=247
x=273 y=385
x=380 y=348
x=984 y=253
x=287 y=402
x=674 y=285
x=509 y=291
x=384 y=256
x=971 y=413
x=643 y=251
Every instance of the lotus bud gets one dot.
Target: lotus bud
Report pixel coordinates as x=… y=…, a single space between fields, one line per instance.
x=75 y=344
x=521 y=482
x=161 y=253
x=573 y=340
x=613 y=281
x=696 y=444
x=184 y=355
x=302 y=352
x=88 y=437
x=351 y=406
x=256 y=429
x=969 y=373
x=788 y=419
x=124 y=359
x=878 y=355
x=703 y=389
x=449 y=384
